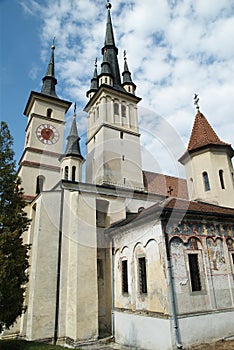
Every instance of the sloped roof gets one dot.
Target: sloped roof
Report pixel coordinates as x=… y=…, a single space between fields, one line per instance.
x=203 y=134
x=173 y=204
x=161 y=184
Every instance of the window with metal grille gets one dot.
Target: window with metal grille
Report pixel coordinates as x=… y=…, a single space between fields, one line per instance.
x=194 y=272
x=142 y=275
x=124 y=276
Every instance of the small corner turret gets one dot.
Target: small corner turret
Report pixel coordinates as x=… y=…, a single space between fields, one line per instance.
x=128 y=85
x=72 y=160
x=208 y=164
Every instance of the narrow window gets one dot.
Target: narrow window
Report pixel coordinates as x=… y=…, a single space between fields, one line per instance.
x=142 y=275
x=97 y=112
x=221 y=179
x=123 y=110
x=194 y=272
x=105 y=80
x=206 y=181
x=124 y=276
x=121 y=134
x=116 y=108
x=73 y=173
x=49 y=112
x=233 y=258
x=66 y=173
x=40 y=183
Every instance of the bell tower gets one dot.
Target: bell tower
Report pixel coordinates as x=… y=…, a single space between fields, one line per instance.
x=113 y=139
x=208 y=165
x=39 y=166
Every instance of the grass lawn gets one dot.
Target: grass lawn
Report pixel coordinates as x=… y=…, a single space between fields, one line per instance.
x=26 y=345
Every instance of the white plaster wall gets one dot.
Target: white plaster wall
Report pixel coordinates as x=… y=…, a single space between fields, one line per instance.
x=142 y=332
x=79 y=267
x=43 y=274
x=40 y=107
x=211 y=162
x=206 y=328
x=29 y=179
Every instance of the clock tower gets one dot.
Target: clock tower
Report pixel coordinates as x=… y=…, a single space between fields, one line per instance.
x=39 y=165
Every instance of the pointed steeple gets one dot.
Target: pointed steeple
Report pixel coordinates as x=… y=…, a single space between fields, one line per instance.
x=49 y=80
x=73 y=145
x=203 y=134
x=94 y=82
x=110 y=51
x=127 y=80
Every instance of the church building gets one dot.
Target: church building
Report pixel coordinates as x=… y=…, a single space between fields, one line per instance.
x=143 y=257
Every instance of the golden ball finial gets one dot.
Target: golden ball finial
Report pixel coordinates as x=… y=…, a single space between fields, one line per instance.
x=108 y=5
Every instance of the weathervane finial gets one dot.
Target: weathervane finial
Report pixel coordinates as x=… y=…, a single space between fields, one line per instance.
x=108 y=5
x=125 y=54
x=196 y=100
x=53 y=46
x=74 y=109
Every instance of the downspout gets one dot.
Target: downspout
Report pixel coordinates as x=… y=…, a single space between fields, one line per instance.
x=172 y=288
x=59 y=269
x=112 y=289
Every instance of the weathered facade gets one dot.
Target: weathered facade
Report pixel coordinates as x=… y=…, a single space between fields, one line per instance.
x=118 y=254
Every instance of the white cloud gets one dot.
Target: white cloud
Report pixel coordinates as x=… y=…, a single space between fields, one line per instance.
x=174 y=48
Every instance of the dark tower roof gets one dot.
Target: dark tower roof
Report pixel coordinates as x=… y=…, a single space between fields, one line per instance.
x=127 y=79
x=49 y=80
x=110 y=51
x=73 y=144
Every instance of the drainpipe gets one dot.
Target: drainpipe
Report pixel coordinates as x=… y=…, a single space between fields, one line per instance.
x=56 y=322
x=112 y=289
x=172 y=289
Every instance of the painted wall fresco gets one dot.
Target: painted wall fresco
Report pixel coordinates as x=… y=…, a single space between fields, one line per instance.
x=207 y=229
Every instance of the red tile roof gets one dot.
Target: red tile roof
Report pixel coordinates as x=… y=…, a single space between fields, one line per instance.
x=160 y=184
x=203 y=134
x=203 y=208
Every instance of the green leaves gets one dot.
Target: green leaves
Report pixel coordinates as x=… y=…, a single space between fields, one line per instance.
x=13 y=223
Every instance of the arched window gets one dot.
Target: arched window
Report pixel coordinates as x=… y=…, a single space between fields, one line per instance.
x=39 y=184
x=66 y=173
x=221 y=179
x=116 y=108
x=206 y=181
x=49 y=112
x=73 y=173
x=123 y=110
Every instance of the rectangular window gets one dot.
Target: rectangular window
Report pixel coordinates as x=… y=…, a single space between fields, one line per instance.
x=194 y=272
x=233 y=258
x=124 y=276
x=142 y=275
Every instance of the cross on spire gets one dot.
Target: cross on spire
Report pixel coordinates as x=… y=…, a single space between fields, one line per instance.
x=196 y=100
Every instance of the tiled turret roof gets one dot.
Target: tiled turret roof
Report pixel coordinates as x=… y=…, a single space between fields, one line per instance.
x=203 y=134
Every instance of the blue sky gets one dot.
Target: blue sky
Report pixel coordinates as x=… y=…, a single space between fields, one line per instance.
x=174 y=49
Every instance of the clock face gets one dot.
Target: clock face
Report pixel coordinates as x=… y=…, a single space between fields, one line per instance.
x=47 y=134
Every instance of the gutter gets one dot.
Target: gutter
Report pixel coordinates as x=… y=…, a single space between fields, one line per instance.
x=172 y=288
x=112 y=289
x=56 y=321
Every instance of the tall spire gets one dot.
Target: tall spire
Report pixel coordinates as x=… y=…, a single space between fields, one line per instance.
x=110 y=51
x=73 y=145
x=49 y=80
